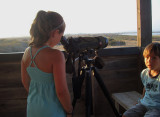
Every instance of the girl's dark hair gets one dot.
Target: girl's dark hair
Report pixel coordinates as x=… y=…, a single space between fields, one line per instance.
x=152 y=47
x=43 y=24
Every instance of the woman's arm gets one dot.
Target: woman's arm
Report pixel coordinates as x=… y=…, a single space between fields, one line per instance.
x=24 y=75
x=60 y=82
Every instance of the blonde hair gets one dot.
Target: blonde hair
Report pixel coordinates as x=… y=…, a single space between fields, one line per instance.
x=43 y=24
x=152 y=47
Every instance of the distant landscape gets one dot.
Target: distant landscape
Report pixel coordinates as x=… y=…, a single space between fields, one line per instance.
x=19 y=44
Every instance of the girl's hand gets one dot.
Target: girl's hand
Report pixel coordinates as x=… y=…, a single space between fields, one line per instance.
x=69 y=115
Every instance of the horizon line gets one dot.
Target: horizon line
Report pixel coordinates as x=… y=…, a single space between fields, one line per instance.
x=79 y=34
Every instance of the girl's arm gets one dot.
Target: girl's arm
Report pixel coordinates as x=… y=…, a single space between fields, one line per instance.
x=25 y=77
x=61 y=83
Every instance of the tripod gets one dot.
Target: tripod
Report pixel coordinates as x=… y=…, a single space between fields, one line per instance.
x=85 y=73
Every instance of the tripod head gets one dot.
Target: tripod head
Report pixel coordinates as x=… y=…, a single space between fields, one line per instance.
x=92 y=61
x=86 y=58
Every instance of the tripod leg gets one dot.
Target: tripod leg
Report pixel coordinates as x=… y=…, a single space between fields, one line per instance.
x=88 y=93
x=77 y=85
x=74 y=102
x=105 y=91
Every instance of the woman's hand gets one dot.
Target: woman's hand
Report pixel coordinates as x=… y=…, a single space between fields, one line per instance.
x=69 y=115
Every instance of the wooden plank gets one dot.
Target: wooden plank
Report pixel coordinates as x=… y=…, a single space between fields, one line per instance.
x=10 y=74
x=126 y=99
x=13 y=93
x=11 y=57
x=15 y=57
x=12 y=105
x=118 y=51
x=6 y=68
x=118 y=85
x=144 y=22
x=120 y=63
x=119 y=74
x=13 y=114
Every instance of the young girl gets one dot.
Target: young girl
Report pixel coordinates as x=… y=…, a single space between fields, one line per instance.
x=149 y=105
x=43 y=69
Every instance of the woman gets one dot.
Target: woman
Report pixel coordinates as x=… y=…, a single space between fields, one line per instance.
x=43 y=69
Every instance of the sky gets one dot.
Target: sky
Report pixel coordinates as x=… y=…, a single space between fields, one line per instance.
x=81 y=16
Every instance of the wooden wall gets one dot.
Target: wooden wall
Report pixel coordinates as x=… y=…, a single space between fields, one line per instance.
x=121 y=73
x=12 y=94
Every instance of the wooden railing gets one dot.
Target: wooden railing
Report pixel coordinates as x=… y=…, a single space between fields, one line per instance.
x=120 y=74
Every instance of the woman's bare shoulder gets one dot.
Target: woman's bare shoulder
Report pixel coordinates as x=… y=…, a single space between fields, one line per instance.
x=55 y=54
x=26 y=53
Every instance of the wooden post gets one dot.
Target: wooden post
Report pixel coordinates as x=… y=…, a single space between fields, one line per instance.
x=144 y=22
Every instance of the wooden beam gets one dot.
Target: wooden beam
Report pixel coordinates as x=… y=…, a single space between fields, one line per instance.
x=144 y=22
x=122 y=51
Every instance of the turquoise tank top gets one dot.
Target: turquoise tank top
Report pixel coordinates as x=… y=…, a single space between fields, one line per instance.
x=42 y=100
